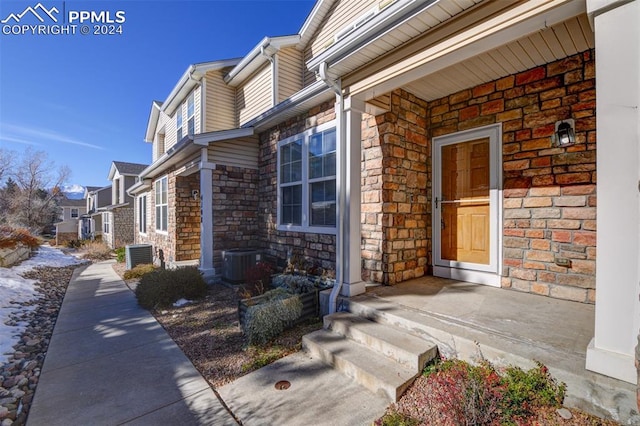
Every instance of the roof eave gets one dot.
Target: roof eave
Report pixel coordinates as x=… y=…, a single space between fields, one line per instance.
x=255 y=58
x=388 y=18
x=152 y=123
x=176 y=153
x=310 y=95
x=190 y=79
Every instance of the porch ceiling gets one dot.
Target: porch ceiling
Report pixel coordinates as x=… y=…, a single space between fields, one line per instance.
x=550 y=44
x=484 y=42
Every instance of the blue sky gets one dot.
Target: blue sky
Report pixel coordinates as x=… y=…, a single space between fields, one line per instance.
x=85 y=99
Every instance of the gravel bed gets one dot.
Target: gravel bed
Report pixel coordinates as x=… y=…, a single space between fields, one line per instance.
x=19 y=375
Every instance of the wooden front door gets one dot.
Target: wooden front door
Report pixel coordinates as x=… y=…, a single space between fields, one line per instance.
x=465 y=225
x=466 y=205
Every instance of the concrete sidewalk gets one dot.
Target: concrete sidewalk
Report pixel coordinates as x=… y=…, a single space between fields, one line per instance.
x=110 y=363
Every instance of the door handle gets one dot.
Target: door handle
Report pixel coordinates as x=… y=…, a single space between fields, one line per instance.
x=436 y=202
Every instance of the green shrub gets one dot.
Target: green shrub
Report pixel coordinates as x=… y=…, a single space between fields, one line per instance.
x=120 y=254
x=266 y=320
x=526 y=390
x=138 y=271
x=163 y=287
x=394 y=418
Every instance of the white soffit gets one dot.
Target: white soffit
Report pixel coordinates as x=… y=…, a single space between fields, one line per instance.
x=548 y=45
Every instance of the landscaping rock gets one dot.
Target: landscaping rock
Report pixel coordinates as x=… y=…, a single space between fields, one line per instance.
x=564 y=413
x=19 y=375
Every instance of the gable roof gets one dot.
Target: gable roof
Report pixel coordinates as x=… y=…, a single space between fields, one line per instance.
x=128 y=169
x=258 y=56
x=70 y=202
x=91 y=188
x=191 y=77
x=314 y=20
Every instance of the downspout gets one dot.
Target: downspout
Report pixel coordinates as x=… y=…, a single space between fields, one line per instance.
x=342 y=169
x=270 y=54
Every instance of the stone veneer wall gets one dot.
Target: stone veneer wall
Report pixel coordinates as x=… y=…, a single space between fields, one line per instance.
x=187 y=218
x=161 y=240
x=235 y=210
x=549 y=192
x=396 y=192
x=317 y=248
x=123 y=222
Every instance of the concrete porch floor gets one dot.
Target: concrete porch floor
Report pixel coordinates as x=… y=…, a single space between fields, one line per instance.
x=506 y=327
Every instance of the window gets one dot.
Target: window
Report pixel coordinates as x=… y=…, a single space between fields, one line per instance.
x=106 y=222
x=75 y=213
x=161 y=204
x=179 y=124
x=191 y=122
x=307 y=181
x=142 y=214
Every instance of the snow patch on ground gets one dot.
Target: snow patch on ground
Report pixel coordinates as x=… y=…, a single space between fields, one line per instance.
x=14 y=289
x=181 y=302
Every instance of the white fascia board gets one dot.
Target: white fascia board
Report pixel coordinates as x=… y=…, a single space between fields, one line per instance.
x=152 y=123
x=204 y=139
x=388 y=18
x=173 y=156
x=142 y=186
x=112 y=171
x=314 y=20
x=309 y=95
x=255 y=59
x=190 y=79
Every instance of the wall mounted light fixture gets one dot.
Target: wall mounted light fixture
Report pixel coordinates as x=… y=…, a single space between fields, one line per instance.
x=565 y=133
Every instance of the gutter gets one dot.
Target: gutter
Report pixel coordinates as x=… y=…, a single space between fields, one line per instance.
x=388 y=18
x=342 y=172
x=309 y=93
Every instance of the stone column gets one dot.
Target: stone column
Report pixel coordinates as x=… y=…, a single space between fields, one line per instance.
x=617 y=34
x=206 y=217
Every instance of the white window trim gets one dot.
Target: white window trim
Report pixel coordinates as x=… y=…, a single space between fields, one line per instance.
x=142 y=200
x=106 y=221
x=305 y=227
x=77 y=213
x=192 y=99
x=181 y=126
x=156 y=205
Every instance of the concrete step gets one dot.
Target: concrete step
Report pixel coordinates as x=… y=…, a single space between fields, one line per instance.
x=404 y=348
x=374 y=371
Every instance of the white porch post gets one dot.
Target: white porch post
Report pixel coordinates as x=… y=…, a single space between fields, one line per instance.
x=351 y=256
x=206 y=216
x=617 y=33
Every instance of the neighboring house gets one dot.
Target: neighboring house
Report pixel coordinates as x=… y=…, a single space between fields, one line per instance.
x=70 y=213
x=96 y=200
x=390 y=140
x=118 y=216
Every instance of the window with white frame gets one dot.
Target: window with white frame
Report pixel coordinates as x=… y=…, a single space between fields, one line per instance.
x=191 y=122
x=106 y=222
x=75 y=213
x=162 y=205
x=179 y=123
x=142 y=214
x=307 y=181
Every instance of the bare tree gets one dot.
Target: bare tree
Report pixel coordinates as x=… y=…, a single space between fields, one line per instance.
x=39 y=183
x=7 y=158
